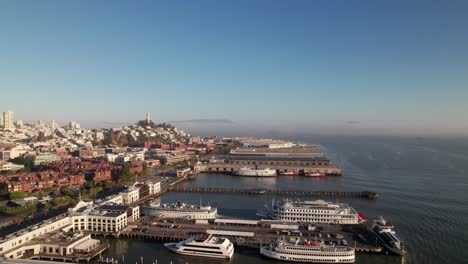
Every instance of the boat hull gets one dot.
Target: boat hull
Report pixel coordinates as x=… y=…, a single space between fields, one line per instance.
x=303 y=258
x=255 y=174
x=389 y=248
x=172 y=247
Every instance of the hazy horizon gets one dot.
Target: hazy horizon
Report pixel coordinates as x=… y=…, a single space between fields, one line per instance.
x=249 y=67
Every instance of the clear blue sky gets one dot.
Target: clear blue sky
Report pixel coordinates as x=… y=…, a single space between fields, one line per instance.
x=380 y=66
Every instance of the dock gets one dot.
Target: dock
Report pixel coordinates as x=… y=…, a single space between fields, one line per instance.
x=248 y=234
x=332 y=194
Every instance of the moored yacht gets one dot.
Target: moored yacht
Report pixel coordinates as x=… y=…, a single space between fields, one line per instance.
x=317 y=211
x=181 y=210
x=386 y=234
x=314 y=174
x=289 y=173
x=205 y=245
x=309 y=252
x=255 y=172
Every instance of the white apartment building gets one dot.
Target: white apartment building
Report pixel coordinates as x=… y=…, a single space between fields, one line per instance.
x=6 y=120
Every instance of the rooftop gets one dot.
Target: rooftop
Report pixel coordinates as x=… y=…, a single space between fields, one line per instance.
x=313 y=149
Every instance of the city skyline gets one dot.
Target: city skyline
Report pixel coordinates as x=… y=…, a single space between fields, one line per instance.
x=318 y=67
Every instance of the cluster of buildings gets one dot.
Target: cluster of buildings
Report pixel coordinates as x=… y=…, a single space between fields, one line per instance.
x=72 y=173
x=68 y=236
x=40 y=181
x=50 y=142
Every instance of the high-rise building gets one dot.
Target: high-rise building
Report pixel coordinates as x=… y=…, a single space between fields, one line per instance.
x=6 y=120
x=74 y=125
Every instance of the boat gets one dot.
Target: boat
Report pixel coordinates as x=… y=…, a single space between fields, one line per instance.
x=107 y=260
x=318 y=211
x=386 y=234
x=309 y=252
x=204 y=245
x=256 y=172
x=181 y=210
x=289 y=173
x=315 y=174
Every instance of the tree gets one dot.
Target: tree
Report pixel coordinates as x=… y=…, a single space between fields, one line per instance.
x=145 y=170
x=47 y=206
x=65 y=191
x=18 y=219
x=126 y=174
x=27 y=161
x=163 y=160
x=16 y=195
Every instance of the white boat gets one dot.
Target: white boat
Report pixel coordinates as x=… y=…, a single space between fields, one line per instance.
x=309 y=252
x=387 y=236
x=255 y=172
x=314 y=174
x=204 y=246
x=181 y=210
x=317 y=211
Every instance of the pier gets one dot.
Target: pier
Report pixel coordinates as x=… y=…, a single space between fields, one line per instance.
x=250 y=234
x=328 y=169
x=332 y=194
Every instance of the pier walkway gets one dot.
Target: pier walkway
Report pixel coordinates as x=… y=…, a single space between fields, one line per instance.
x=363 y=194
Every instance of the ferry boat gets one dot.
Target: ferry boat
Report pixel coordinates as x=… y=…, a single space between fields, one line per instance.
x=314 y=174
x=387 y=236
x=310 y=252
x=255 y=172
x=204 y=246
x=181 y=210
x=317 y=211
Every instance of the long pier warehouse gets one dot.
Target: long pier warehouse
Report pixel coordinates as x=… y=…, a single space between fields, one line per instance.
x=299 y=160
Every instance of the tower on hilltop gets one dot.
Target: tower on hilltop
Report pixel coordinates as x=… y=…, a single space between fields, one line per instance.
x=148 y=118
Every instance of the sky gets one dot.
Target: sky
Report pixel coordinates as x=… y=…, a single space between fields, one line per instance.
x=333 y=66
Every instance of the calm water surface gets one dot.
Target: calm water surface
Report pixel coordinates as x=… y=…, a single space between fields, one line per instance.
x=423 y=188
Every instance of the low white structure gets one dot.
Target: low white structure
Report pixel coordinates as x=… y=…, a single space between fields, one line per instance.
x=131 y=195
x=56 y=243
x=8 y=166
x=226 y=221
x=154 y=187
x=224 y=233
